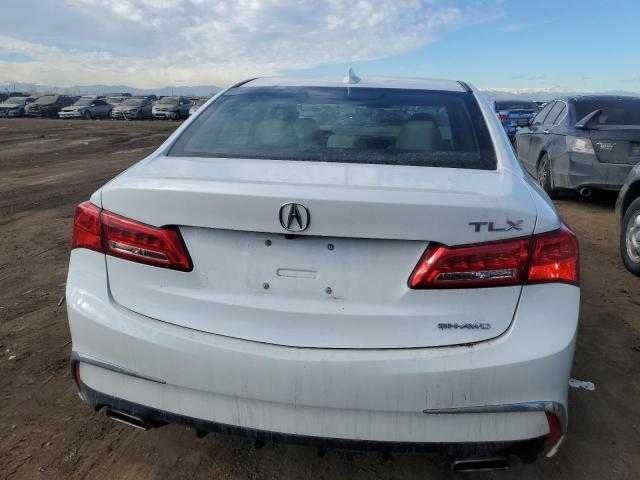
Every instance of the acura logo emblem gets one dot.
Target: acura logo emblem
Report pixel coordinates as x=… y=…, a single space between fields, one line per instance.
x=294 y=217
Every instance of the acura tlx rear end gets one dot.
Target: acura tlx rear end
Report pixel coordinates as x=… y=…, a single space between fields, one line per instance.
x=361 y=263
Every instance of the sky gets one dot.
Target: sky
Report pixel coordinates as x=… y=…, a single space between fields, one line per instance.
x=590 y=45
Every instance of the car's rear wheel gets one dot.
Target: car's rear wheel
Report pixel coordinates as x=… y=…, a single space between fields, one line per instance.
x=87 y=115
x=545 y=178
x=630 y=238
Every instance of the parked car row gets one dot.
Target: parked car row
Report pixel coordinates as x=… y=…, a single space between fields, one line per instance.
x=514 y=114
x=588 y=143
x=117 y=106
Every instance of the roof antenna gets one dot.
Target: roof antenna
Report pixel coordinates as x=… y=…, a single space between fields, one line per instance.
x=351 y=77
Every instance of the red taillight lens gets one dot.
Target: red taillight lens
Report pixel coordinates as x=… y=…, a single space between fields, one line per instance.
x=162 y=247
x=555 y=258
x=125 y=238
x=482 y=265
x=504 y=118
x=548 y=257
x=86 y=227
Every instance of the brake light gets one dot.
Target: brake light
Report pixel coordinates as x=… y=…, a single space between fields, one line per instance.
x=543 y=258
x=122 y=237
x=504 y=117
x=86 y=227
x=555 y=258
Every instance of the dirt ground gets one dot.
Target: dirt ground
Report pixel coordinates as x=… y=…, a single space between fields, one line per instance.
x=48 y=166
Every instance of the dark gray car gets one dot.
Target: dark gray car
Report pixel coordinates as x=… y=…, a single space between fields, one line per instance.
x=134 y=108
x=582 y=143
x=628 y=210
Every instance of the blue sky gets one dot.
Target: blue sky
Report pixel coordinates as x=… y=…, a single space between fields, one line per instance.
x=568 y=44
x=516 y=45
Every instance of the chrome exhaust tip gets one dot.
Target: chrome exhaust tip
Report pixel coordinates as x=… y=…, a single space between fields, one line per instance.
x=480 y=464
x=127 y=419
x=585 y=192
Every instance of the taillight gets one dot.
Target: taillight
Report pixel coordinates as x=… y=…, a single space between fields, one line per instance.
x=504 y=117
x=122 y=237
x=543 y=258
x=86 y=227
x=555 y=258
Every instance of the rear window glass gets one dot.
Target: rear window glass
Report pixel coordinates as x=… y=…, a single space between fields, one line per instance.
x=168 y=101
x=346 y=125
x=516 y=105
x=45 y=100
x=615 y=111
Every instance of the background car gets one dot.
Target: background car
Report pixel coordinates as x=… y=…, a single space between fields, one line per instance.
x=582 y=143
x=514 y=113
x=628 y=211
x=14 y=106
x=133 y=108
x=48 y=105
x=196 y=105
x=87 y=108
x=114 y=100
x=171 y=108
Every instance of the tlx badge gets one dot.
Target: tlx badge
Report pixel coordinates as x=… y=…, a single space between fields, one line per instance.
x=491 y=226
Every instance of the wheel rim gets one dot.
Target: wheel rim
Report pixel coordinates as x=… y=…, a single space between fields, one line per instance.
x=633 y=238
x=543 y=173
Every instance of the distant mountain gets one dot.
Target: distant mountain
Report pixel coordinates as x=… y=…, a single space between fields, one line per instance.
x=546 y=94
x=528 y=93
x=186 y=90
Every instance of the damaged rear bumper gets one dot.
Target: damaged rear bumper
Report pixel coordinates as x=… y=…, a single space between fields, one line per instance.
x=150 y=417
x=577 y=170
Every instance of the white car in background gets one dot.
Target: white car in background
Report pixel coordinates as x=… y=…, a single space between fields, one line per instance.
x=339 y=262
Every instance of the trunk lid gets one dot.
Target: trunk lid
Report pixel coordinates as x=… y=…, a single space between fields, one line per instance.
x=617 y=143
x=342 y=283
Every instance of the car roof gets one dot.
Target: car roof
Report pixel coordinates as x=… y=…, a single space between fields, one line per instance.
x=596 y=97
x=365 y=82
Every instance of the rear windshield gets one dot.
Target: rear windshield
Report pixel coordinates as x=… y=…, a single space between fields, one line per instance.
x=133 y=102
x=16 y=100
x=615 y=111
x=346 y=125
x=84 y=102
x=168 y=101
x=516 y=105
x=45 y=100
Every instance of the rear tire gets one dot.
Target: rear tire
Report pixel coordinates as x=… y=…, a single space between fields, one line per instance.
x=87 y=115
x=545 y=177
x=630 y=238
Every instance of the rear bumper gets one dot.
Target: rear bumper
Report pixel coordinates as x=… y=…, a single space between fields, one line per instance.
x=124 y=115
x=155 y=418
x=11 y=113
x=576 y=170
x=70 y=115
x=494 y=391
x=166 y=115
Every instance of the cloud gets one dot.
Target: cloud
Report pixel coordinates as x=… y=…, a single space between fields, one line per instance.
x=516 y=27
x=158 y=42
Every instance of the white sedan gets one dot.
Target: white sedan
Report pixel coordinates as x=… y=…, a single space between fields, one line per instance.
x=357 y=260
